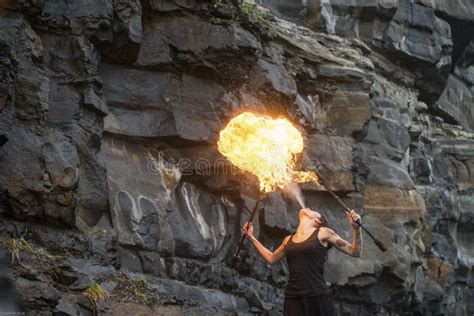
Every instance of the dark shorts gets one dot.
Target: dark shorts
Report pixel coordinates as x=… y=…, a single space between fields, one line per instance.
x=321 y=305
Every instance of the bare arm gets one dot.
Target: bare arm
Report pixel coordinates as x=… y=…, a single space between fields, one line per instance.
x=352 y=249
x=267 y=255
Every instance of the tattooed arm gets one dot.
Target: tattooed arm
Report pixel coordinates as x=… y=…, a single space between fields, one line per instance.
x=352 y=249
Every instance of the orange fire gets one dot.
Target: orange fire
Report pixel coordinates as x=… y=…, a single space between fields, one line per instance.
x=265 y=147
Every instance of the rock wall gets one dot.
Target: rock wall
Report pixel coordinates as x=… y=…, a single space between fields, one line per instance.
x=110 y=113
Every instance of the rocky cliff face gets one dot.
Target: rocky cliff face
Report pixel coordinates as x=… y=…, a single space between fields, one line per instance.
x=110 y=111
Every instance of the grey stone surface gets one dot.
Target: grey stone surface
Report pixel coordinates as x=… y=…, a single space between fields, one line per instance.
x=141 y=192
x=455 y=103
x=206 y=229
x=78 y=17
x=333 y=155
x=109 y=115
x=175 y=102
x=275 y=215
x=386 y=172
x=199 y=45
x=462 y=10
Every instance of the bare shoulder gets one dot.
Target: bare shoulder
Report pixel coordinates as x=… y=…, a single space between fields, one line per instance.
x=326 y=231
x=285 y=240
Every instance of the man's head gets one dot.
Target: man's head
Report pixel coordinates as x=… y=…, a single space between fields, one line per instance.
x=315 y=217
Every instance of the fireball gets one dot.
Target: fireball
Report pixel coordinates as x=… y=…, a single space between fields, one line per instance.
x=265 y=147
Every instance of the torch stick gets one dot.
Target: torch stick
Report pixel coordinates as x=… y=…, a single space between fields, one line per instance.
x=377 y=242
x=241 y=243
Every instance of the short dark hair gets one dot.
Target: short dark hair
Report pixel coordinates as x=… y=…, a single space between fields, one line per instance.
x=324 y=221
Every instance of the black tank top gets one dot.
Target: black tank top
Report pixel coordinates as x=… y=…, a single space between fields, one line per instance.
x=306 y=267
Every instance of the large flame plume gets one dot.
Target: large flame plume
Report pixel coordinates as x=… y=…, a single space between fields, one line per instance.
x=265 y=147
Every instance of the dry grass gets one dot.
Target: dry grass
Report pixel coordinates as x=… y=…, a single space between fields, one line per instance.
x=133 y=289
x=17 y=245
x=44 y=255
x=96 y=293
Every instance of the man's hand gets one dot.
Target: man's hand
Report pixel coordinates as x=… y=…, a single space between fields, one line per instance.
x=248 y=229
x=353 y=217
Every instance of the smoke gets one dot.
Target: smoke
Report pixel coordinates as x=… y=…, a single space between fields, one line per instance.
x=294 y=192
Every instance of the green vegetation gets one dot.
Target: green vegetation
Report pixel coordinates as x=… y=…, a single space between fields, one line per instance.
x=253 y=11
